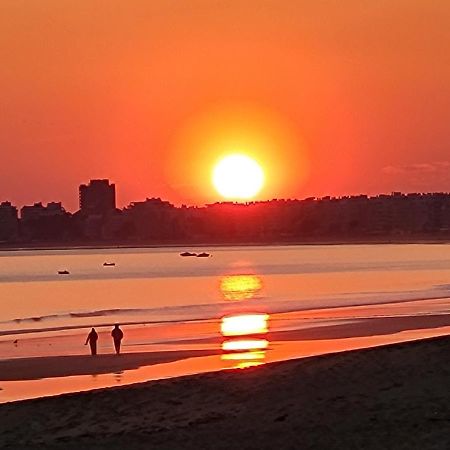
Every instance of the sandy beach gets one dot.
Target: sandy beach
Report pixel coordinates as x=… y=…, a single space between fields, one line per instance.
x=392 y=397
x=65 y=366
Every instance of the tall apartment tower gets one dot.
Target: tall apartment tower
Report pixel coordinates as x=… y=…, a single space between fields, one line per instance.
x=98 y=197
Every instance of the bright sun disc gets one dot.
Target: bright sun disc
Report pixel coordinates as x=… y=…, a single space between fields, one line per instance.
x=238 y=177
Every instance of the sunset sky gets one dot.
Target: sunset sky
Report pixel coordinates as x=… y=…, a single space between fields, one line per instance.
x=330 y=97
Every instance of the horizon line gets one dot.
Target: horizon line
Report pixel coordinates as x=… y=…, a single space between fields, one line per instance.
x=247 y=202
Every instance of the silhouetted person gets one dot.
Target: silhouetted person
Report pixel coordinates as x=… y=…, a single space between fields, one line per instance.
x=92 y=339
x=117 y=335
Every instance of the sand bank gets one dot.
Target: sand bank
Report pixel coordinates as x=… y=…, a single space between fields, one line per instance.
x=73 y=365
x=392 y=397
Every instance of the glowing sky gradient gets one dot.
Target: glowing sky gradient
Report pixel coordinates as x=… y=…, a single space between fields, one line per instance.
x=336 y=97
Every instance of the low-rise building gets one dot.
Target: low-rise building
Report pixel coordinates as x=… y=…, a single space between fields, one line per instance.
x=9 y=222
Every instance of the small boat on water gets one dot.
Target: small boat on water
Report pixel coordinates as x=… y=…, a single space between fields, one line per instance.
x=63 y=272
x=188 y=254
x=109 y=264
x=203 y=255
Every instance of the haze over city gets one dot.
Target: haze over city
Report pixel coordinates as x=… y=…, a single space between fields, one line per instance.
x=331 y=98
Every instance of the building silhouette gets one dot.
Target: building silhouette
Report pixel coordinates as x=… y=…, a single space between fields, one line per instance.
x=152 y=218
x=38 y=211
x=45 y=223
x=97 y=198
x=360 y=218
x=9 y=222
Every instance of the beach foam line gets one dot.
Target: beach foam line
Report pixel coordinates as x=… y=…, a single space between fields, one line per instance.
x=212 y=312
x=198 y=311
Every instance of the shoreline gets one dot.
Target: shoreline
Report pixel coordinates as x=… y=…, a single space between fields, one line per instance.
x=214 y=318
x=396 y=395
x=37 y=368
x=47 y=376
x=190 y=245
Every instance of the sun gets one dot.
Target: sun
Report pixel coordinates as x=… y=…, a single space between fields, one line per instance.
x=238 y=177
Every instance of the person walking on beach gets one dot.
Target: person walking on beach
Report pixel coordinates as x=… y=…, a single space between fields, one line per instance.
x=117 y=335
x=92 y=339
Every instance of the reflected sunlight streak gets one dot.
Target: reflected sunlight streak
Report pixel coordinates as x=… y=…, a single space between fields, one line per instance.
x=244 y=324
x=245 y=344
x=247 y=347
x=251 y=355
x=240 y=287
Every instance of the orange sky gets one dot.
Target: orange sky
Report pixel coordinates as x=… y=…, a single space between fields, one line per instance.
x=333 y=97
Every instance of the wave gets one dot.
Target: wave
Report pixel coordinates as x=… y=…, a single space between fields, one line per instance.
x=213 y=311
x=107 y=312
x=95 y=313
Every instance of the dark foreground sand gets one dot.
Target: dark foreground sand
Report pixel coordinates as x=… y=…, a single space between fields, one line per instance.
x=393 y=397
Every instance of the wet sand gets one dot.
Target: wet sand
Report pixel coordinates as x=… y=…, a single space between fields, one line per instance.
x=393 y=397
x=21 y=369
x=51 y=366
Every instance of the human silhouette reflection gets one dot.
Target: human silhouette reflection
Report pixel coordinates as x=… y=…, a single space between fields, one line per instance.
x=92 y=340
x=118 y=376
x=245 y=334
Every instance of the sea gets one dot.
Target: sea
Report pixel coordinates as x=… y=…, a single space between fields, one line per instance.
x=247 y=305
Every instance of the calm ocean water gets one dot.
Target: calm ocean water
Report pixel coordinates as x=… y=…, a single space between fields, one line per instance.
x=243 y=306
x=157 y=285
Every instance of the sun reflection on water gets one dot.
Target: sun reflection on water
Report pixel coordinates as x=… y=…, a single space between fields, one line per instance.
x=244 y=324
x=240 y=287
x=245 y=334
x=245 y=344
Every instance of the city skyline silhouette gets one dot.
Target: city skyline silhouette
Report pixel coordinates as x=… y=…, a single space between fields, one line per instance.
x=395 y=216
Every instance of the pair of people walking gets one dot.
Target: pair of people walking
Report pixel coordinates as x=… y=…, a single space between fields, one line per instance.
x=92 y=338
